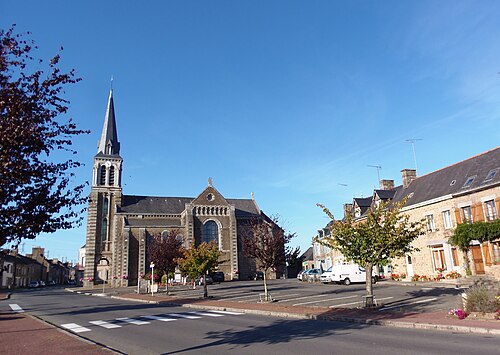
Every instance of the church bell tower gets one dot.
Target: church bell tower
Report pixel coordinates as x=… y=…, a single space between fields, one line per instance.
x=105 y=197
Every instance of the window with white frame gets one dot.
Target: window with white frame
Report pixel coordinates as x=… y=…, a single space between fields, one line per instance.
x=466 y=214
x=430 y=222
x=448 y=224
x=491 y=210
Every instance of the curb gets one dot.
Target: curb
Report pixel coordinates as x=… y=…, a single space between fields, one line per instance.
x=277 y=314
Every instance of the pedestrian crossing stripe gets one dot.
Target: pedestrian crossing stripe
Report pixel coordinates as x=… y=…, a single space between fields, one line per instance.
x=16 y=308
x=161 y=319
x=104 y=324
x=208 y=314
x=132 y=321
x=182 y=315
x=75 y=327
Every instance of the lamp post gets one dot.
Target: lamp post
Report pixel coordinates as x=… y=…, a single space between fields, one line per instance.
x=152 y=266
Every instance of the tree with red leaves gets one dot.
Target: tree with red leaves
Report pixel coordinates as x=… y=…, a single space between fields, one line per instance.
x=37 y=190
x=266 y=242
x=164 y=252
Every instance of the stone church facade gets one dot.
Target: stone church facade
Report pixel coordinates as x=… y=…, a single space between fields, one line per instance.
x=120 y=227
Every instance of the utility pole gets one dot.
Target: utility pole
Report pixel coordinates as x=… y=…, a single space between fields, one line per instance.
x=378 y=167
x=413 y=141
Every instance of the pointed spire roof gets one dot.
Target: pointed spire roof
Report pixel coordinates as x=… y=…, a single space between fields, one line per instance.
x=108 y=144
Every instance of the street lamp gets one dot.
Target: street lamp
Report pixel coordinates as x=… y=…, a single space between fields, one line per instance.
x=152 y=266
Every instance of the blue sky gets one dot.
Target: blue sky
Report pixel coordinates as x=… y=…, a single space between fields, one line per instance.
x=288 y=99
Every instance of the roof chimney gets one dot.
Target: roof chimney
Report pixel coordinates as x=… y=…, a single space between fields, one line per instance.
x=347 y=209
x=386 y=184
x=408 y=176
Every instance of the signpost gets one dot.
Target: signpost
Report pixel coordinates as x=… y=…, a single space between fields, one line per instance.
x=152 y=266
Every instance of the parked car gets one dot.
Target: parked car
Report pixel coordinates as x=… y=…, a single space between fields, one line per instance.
x=346 y=274
x=34 y=284
x=259 y=275
x=51 y=283
x=42 y=283
x=218 y=276
x=299 y=275
x=312 y=275
x=208 y=278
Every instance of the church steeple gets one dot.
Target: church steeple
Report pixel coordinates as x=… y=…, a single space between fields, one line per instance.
x=109 y=144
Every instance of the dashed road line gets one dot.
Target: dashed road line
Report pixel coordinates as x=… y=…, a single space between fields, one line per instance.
x=16 y=308
x=104 y=324
x=300 y=298
x=408 y=304
x=358 y=302
x=75 y=328
x=330 y=299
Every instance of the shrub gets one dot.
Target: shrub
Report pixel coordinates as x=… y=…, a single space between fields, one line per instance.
x=459 y=313
x=453 y=275
x=479 y=299
x=415 y=277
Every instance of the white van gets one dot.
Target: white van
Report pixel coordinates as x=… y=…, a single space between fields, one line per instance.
x=346 y=274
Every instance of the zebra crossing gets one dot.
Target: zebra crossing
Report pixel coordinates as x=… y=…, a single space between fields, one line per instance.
x=144 y=320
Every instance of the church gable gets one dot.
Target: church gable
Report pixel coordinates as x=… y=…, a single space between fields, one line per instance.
x=210 y=197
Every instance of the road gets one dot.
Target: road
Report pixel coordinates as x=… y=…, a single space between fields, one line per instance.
x=135 y=328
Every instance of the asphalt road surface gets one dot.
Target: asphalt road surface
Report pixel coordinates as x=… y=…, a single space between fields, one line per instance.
x=136 y=328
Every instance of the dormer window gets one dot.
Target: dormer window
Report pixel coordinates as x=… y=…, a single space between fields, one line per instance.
x=491 y=174
x=469 y=182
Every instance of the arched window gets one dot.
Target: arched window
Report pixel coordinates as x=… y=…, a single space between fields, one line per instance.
x=112 y=175
x=102 y=175
x=105 y=206
x=104 y=229
x=210 y=232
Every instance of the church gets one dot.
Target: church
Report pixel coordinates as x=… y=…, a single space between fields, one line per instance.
x=120 y=227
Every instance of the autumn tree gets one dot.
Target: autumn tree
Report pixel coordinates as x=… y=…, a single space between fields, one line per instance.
x=266 y=242
x=37 y=189
x=199 y=261
x=385 y=234
x=164 y=252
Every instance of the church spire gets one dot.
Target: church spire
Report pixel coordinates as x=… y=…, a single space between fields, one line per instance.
x=109 y=144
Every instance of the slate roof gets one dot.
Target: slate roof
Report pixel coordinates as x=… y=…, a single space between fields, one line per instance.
x=451 y=180
x=176 y=205
x=308 y=254
x=109 y=133
x=385 y=194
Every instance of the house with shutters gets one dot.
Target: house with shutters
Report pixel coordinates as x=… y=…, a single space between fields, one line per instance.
x=120 y=227
x=464 y=192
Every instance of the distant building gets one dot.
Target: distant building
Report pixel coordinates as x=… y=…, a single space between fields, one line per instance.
x=120 y=227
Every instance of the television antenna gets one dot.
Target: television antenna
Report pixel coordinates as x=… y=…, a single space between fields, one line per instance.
x=378 y=167
x=413 y=141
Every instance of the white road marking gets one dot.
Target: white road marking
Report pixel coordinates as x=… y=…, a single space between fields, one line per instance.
x=358 y=302
x=75 y=327
x=407 y=304
x=16 y=308
x=237 y=298
x=226 y=312
x=132 y=321
x=330 y=299
x=301 y=298
x=104 y=324
x=207 y=314
x=161 y=319
x=187 y=316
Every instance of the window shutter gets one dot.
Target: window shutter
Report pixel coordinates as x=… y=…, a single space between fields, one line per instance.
x=458 y=218
x=477 y=212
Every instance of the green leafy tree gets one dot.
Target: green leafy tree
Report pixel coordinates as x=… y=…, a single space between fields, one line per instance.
x=266 y=243
x=199 y=261
x=164 y=252
x=37 y=192
x=385 y=234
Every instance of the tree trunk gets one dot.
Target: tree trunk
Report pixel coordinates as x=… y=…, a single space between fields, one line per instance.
x=166 y=285
x=369 y=283
x=265 y=286
x=205 y=287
